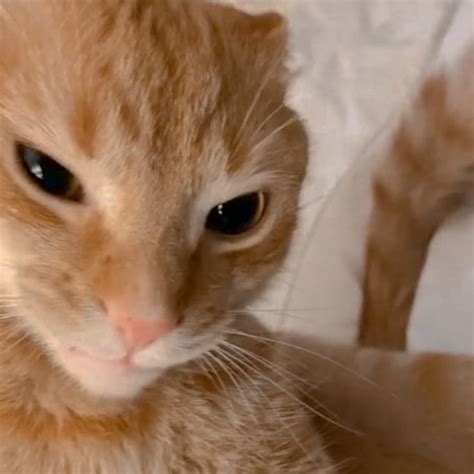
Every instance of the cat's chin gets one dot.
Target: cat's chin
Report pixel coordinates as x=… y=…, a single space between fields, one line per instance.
x=109 y=378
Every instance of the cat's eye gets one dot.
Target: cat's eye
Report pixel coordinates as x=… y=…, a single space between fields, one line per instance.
x=48 y=174
x=238 y=215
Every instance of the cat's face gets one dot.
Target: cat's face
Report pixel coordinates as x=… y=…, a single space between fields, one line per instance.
x=124 y=127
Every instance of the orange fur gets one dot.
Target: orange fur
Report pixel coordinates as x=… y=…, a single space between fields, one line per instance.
x=414 y=413
x=427 y=172
x=153 y=105
x=157 y=106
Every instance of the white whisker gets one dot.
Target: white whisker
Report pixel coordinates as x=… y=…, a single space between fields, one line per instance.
x=248 y=363
x=245 y=399
x=254 y=103
x=228 y=371
x=274 y=132
x=278 y=370
x=304 y=350
x=208 y=359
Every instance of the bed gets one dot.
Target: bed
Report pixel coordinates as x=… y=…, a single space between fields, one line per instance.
x=356 y=63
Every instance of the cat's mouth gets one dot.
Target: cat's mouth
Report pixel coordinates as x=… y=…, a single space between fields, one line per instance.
x=122 y=373
x=122 y=363
x=116 y=377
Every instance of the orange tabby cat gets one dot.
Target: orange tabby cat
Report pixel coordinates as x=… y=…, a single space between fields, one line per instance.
x=149 y=180
x=426 y=174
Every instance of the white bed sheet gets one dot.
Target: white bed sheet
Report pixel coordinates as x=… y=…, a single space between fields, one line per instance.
x=357 y=62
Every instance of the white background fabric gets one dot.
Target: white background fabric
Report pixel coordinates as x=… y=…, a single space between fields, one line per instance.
x=357 y=62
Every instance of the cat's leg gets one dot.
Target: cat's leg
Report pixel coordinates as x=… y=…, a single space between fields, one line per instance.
x=428 y=169
x=414 y=412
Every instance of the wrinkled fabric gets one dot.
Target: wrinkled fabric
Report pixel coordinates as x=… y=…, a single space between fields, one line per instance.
x=356 y=62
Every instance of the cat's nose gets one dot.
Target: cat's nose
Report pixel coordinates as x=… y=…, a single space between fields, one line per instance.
x=139 y=333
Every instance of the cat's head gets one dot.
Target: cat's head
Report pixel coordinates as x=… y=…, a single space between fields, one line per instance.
x=149 y=178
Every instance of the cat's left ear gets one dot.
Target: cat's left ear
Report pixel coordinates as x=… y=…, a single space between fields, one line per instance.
x=262 y=37
x=268 y=30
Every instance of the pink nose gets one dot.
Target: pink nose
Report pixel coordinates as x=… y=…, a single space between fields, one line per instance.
x=138 y=333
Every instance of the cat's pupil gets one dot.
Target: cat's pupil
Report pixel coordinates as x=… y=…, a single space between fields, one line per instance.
x=236 y=216
x=48 y=174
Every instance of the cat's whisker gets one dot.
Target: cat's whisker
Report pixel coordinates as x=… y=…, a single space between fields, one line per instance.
x=291 y=310
x=21 y=339
x=229 y=372
x=281 y=316
x=37 y=354
x=305 y=351
x=210 y=359
x=297 y=363
x=266 y=120
x=274 y=132
x=10 y=317
x=7 y=317
x=254 y=103
x=287 y=314
x=8 y=334
x=293 y=377
x=244 y=398
x=278 y=414
x=13 y=329
x=296 y=399
x=268 y=363
x=242 y=359
x=206 y=368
